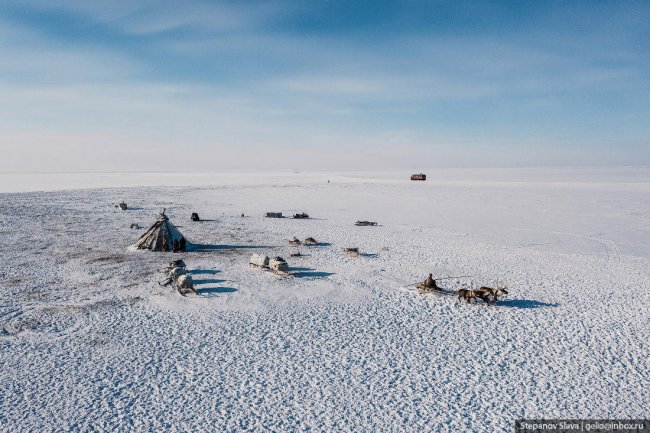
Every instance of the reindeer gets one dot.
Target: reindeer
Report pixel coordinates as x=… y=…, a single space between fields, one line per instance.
x=494 y=292
x=484 y=293
x=499 y=291
x=466 y=294
x=475 y=292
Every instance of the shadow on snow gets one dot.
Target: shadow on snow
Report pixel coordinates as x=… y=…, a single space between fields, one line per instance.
x=203 y=271
x=524 y=303
x=215 y=290
x=309 y=273
x=201 y=248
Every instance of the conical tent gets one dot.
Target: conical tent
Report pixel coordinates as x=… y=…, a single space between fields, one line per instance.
x=162 y=236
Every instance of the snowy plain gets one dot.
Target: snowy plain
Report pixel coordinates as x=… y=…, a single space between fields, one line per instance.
x=90 y=342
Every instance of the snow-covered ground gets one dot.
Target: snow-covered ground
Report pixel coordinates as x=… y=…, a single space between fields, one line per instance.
x=90 y=342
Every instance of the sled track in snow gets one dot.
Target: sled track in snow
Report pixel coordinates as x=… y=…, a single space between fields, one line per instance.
x=611 y=250
x=48 y=322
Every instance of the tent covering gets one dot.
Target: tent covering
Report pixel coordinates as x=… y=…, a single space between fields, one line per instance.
x=161 y=237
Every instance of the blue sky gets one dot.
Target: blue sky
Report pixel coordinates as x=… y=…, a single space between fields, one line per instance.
x=179 y=85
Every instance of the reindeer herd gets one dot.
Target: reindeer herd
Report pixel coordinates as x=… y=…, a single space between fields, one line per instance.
x=484 y=293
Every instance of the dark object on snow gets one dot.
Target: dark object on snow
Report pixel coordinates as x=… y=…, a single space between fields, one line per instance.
x=123 y=206
x=195 y=217
x=177 y=264
x=419 y=176
x=484 y=292
x=296 y=254
x=354 y=252
x=180 y=264
x=161 y=236
x=428 y=285
x=365 y=223
x=467 y=295
x=135 y=226
x=294 y=241
x=301 y=216
x=311 y=241
x=274 y=215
